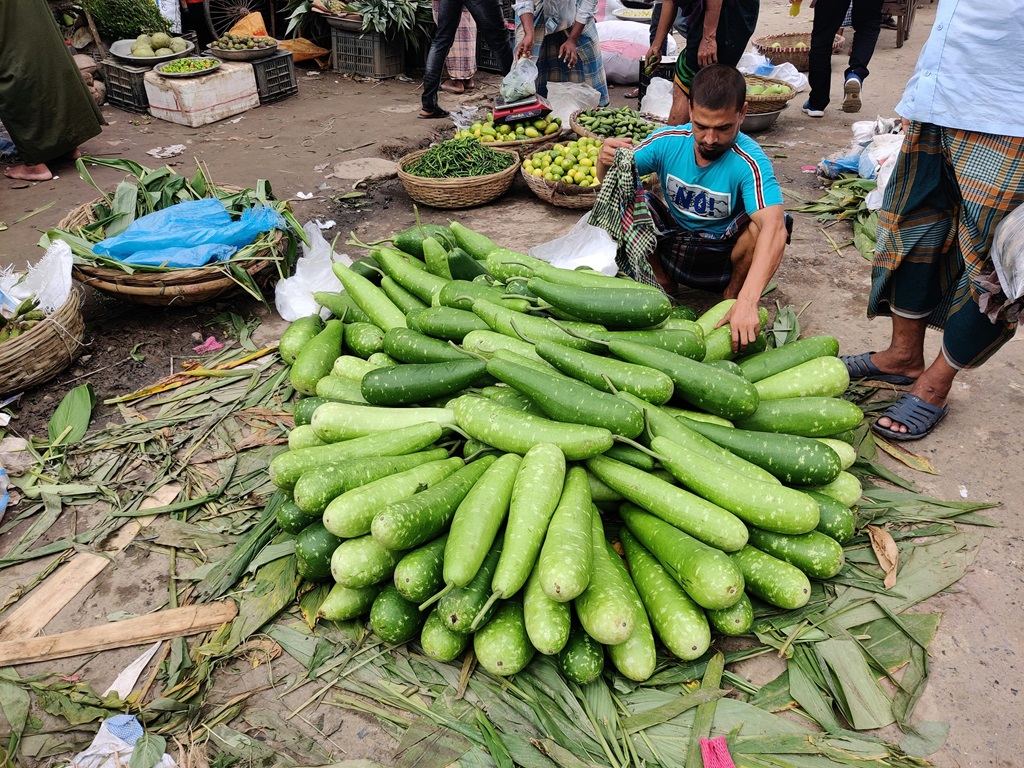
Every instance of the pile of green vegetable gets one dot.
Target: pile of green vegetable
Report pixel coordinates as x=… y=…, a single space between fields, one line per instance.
x=469 y=445
x=123 y=19
x=459 y=158
x=621 y=123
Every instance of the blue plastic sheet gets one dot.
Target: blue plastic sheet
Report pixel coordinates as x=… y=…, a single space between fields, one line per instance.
x=189 y=234
x=833 y=169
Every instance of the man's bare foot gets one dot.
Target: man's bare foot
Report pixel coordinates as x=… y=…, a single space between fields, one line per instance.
x=37 y=172
x=453 y=86
x=74 y=154
x=930 y=394
x=889 y=361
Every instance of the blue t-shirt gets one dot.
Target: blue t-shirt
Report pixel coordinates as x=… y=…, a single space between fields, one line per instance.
x=707 y=199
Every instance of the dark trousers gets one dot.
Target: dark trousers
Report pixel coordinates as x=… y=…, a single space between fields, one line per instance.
x=489 y=24
x=828 y=17
x=195 y=19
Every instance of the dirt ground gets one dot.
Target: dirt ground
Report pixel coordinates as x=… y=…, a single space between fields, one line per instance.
x=976 y=676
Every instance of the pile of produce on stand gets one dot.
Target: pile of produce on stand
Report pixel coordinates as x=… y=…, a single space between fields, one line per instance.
x=133 y=244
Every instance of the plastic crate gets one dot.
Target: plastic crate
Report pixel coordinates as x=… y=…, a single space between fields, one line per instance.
x=486 y=59
x=369 y=54
x=666 y=69
x=275 y=77
x=125 y=86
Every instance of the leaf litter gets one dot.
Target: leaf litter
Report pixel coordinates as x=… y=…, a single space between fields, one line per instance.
x=855 y=656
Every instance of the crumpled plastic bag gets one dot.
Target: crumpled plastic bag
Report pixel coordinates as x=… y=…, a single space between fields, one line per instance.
x=566 y=98
x=582 y=246
x=189 y=234
x=113 y=745
x=49 y=280
x=293 y=296
x=657 y=101
x=1008 y=253
x=520 y=82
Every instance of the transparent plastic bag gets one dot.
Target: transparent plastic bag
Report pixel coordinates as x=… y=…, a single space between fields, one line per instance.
x=582 y=246
x=293 y=296
x=521 y=81
x=566 y=98
x=657 y=100
x=1008 y=253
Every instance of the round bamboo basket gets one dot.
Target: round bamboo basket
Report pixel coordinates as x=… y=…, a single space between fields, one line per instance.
x=560 y=194
x=163 y=288
x=787 y=51
x=758 y=103
x=45 y=349
x=464 y=192
x=579 y=130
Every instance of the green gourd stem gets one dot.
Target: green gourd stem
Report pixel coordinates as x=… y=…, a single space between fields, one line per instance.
x=577 y=334
x=431 y=600
x=483 y=611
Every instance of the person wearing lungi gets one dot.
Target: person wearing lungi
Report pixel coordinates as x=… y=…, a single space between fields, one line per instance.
x=717 y=32
x=562 y=36
x=960 y=171
x=721 y=226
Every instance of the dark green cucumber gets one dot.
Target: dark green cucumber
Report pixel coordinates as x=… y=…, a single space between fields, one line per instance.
x=420 y=573
x=615 y=307
x=683 y=312
x=770 y=506
x=606 y=609
x=608 y=374
x=344 y=603
x=678 y=621
x=449 y=323
x=439 y=642
x=773 y=361
x=420 y=382
x=417 y=520
x=317 y=356
x=317 y=488
x=792 y=459
x=292 y=519
x=411 y=240
x=462 y=266
x=773 y=580
x=314 y=547
x=367 y=267
x=547 y=621
x=566 y=400
x=698 y=517
x=341 y=306
x=584 y=277
x=715 y=391
x=459 y=607
x=836 y=519
x=816 y=554
x=733 y=621
x=409 y=346
x=363 y=339
x=502 y=646
x=582 y=659
x=362 y=561
x=393 y=618
x=707 y=574
x=807 y=416
x=296 y=335
x=461 y=294
x=683 y=343
x=302 y=412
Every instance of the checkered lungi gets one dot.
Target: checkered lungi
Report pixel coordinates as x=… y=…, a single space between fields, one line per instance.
x=589 y=67
x=461 y=60
x=948 y=191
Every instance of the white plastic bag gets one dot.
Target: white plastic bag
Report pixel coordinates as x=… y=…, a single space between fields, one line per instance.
x=566 y=98
x=751 y=61
x=293 y=296
x=1008 y=253
x=657 y=101
x=582 y=246
x=787 y=73
x=49 y=280
x=521 y=81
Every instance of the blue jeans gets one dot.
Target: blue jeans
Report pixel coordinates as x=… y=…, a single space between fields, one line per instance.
x=490 y=26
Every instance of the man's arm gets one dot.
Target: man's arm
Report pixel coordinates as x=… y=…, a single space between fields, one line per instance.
x=768 y=250
x=668 y=15
x=707 y=53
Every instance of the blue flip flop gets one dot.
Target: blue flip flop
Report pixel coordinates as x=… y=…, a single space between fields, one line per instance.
x=918 y=416
x=861 y=368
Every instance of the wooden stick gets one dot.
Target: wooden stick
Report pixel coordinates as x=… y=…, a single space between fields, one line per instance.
x=162 y=625
x=95 y=33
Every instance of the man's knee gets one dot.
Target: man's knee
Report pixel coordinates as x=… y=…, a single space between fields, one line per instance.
x=743 y=251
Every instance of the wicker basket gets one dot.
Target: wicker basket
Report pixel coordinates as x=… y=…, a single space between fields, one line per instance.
x=561 y=194
x=788 y=50
x=164 y=288
x=458 y=193
x=522 y=146
x=579 y=130
x=45 y=349
x=758 y=103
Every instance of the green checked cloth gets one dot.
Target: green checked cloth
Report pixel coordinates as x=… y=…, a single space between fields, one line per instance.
x=621 y=210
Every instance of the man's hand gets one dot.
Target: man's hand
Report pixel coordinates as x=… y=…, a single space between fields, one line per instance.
x=607 y=154
x=707 y=53
x=567 y=52
x=745 y=323
x=525 y=47
x=653 y=57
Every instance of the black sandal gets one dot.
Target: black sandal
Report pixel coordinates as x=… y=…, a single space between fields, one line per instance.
x=436 y=114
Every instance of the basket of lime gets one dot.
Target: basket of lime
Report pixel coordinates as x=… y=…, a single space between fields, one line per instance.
x=566 y=174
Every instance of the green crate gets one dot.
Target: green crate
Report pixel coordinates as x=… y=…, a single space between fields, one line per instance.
x=369 y=54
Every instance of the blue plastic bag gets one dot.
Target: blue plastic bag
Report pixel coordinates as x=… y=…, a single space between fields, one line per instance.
x=189 y=234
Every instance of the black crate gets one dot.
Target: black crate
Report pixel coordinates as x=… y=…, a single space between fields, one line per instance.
x=125 y=86
x=666 y=69
x=486 y=59
x=275 y=77
x=369 y=54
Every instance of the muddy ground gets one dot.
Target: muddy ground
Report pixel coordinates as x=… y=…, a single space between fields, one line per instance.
x=976 y=675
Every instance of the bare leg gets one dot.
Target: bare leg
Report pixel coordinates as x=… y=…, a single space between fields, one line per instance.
x=906 y=349
x=680 y=112
x=742 y=256
x=37 y=172
x=932 y=386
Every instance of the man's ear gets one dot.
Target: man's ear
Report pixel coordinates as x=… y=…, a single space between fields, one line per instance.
x=743 y=112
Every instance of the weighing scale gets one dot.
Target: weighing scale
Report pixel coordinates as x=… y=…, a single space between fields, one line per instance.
x=529 y=108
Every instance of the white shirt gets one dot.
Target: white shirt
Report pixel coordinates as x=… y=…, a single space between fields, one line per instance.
x=970 y=74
